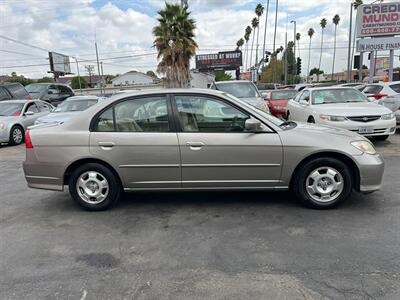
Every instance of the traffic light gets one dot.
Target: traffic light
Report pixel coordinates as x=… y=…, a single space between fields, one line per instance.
x=267 y=54
x=298 y=64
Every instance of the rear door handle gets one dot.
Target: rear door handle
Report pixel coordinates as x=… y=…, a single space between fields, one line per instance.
x=106 y=145
x=195 y=145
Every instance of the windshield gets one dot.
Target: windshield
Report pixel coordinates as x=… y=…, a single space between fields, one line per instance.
x=239 y=89
x=269 y=117
x=337 y=96
x=283 y=95
x=75 y=105
x=35 y=88
x=10 y=109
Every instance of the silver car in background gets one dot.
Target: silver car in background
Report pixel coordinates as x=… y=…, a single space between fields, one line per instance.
x=194 y=139
x=392 y=103
x=68 y=109
x=244 y=90
x=17 y=115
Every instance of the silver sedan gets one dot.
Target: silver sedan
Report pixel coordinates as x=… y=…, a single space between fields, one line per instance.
x=189 y=139
x=17 y=115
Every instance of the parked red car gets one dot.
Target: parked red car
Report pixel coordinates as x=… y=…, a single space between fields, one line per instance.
x=277 y=101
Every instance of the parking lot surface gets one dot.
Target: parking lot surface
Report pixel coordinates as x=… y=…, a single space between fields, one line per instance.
x=242 y=245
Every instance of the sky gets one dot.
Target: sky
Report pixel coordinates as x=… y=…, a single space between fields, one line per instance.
x=123 y=30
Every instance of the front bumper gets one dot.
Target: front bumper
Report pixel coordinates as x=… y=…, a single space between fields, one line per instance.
x=371 y=168
x=378 y=127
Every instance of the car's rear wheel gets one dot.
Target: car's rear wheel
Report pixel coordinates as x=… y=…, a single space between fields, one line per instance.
x=16 y=135
x=94 y=187
x=381 y=137
x=323 y=183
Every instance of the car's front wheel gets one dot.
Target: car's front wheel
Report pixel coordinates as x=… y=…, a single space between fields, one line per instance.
x=94 y=187
x=16 y=135
x=323 y=183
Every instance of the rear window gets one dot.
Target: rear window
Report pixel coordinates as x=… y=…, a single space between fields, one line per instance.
x=4 y=94
x=10 y=109
x=373 y=89
x=36 y=88
x=395 y=87
x=18 y=91
x=284 y=95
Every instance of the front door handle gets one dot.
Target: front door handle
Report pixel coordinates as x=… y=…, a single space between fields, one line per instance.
x=195 y=145
x=106 y=145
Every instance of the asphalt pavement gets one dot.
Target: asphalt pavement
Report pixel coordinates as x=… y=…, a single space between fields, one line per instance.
x=242 y=245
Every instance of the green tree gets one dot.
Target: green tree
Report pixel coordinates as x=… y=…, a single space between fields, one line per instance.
x=175 y=44
x=323 y=25
x=310 y=34
x=45 y=80
x=20 y=79
x=254 y=24
x=239 y=43
x=259 y=11
x=75 y=82
x=335 y=20
x=298 y=36
x=151 y=74
x=316 y=71
x=221 y=75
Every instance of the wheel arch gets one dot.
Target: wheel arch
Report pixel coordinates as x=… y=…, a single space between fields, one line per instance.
x=80 y=162
x=331 y=154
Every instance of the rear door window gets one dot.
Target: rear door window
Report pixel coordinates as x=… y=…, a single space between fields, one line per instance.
x=373 y=89
x=18 y=91
x=4 y=94
x=395 y=87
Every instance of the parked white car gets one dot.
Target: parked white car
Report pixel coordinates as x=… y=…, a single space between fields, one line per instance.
x=344 y=108
x=380 y=90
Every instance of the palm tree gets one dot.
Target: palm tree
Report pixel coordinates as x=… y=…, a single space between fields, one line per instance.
x=310 y=34
x=335 y=20
x=323 y=25
x=247 y=37
x=239 y=43
x=175 y=44
x=259 y=11
x=298 y=36
x=254 y=24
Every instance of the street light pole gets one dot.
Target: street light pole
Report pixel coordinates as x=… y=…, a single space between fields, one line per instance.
x=294 y=49
x=79 y=76
x=273 y=48
x=265 y=30
x=349 y=68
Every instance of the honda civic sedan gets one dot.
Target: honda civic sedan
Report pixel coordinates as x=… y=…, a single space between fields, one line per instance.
x=190 y=139
x=344 y=108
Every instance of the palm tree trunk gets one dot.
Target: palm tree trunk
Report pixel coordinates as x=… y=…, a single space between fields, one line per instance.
x=334 y=53
x=308 y=64
x=246 y=52
x=320 y=56
x=258 y=30
x=251 y=51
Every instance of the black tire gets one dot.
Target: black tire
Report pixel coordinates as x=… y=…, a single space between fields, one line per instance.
x=381 y=137
x=311 y=120
x=14 y=140
x=300 y=178
x=287 y=115
x=114 y=187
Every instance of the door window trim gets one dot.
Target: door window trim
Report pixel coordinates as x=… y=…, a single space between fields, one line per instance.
x=171 y=122
x=178 y=123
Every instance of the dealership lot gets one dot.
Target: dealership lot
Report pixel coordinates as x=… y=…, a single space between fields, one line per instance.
x=198 y=245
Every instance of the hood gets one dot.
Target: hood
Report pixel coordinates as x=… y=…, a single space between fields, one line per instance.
x=352 y=109
x=57 y=117
x=312 y=129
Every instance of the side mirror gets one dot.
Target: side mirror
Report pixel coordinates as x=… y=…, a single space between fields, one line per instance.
x=253 y=125
x=29 y=113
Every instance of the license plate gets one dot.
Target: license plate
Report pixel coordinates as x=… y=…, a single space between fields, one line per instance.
x=366 y=130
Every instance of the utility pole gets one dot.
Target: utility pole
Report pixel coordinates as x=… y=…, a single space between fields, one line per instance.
x=349 y=67
x=90 y=70
x=294 y=50
x=79 y=76
x=102 y=76
x=97 y=58
x=276 y=56
x=285 y=65
x=265 y=30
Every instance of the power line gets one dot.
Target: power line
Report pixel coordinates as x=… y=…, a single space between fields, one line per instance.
x=22 y=43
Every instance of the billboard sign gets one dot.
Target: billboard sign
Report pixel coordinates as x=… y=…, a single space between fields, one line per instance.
x=378 y=44
x=378 y=19
x=59 y=63
x=381 y=65
x=228 y=60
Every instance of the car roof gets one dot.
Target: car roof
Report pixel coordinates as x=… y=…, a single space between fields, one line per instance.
x=18 y=101
x=233 y=81
x=322 y=88
x=48 y=83
x=83 y=97
x=169 y=91
x=9 y=83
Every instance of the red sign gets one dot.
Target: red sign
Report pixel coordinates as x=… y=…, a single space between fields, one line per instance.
x=230 y=60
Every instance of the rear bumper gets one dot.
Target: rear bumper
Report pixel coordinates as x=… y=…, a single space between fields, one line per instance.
x=371 y=169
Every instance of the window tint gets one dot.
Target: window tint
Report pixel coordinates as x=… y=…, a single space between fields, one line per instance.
x=244 y=89
x=305 y=96
x=18 y=91
x=338 y=96
x=373 y=89
x=64 y=90
x=32 y=107
x=203 y=114
x=395 y=87
x=4 y=94
x=285 y=95
x=136 y=115
x=44 y=107
x=105 y=121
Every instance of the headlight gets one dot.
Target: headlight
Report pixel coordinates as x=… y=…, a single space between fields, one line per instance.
x=364 y=146
x=2 y=126
x=332 y=118
x=388 y=116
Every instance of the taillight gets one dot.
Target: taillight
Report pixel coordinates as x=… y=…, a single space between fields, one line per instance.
x=16 y=114
x=29 y=97
x=379 y=96
x=28 y=141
